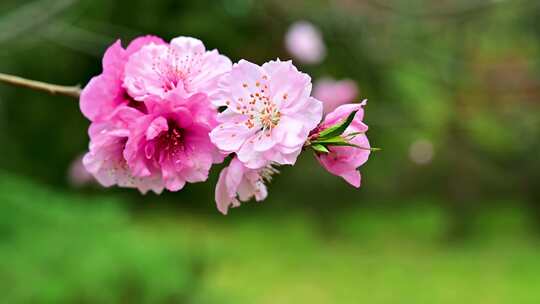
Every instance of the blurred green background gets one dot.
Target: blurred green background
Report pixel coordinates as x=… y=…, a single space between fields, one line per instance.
x=448 y=212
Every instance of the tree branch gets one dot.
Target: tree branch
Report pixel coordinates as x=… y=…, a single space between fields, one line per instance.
x=70 y=91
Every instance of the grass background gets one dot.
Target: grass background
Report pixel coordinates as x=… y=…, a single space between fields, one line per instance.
x=61 y=247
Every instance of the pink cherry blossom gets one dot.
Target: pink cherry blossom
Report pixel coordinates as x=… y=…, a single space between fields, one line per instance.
x=334 y=93
x=104 y=93
x=105 y=160
x=237 y=183
x=269 y=113
x=155 y=123
x=304 y=41
x=184 y=66
x=171 y=141
x=343 y=160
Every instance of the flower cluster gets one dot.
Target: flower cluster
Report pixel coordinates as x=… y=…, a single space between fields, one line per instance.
x=162 y=114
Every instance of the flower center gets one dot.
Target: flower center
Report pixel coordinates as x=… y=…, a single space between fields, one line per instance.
x=173 y=68
x=262 y=111
x=132 y=103
x=269 y=116
x=171 y=142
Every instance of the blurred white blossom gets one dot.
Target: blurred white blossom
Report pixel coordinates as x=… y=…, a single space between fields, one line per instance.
x=421 y=152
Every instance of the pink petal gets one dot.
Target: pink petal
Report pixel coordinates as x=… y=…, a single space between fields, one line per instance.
x=285 y=79
x=343 y=111
x=308 y=111
x=250 y=157
x=261 y=192
x=264 y=141
x=114 y=58
x=98 y=97
x=245 y=190
x=142 y=75
x=283 y=158
x=188 y=45
x=157 y=126
x=289 y=132
x=242 y=81
x=230 y=136
x=352 y=177
x=212 y=67
x=139 y=42
x=223 y=199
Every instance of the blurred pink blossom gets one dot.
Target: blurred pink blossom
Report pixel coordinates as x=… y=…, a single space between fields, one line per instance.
x=269 y=113
x=304 y=41
x=78 y=176
x=238 y=183
x=344 y=160
x=334 y=93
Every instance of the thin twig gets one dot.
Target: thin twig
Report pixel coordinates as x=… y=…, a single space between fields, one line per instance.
x=71 y=91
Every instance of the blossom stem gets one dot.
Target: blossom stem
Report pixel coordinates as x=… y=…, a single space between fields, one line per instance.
x=54 y=89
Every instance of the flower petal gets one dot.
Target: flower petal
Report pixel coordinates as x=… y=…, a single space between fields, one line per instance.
x=287 y=84
x=143 y=77
x=230 y=136
x=188 y=45
x=264 y=141
x=222 y=197
x=155 y=128
x=353 y=177
x=290 y=132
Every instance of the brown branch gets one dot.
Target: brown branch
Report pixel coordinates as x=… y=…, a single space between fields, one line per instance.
x=70 y=91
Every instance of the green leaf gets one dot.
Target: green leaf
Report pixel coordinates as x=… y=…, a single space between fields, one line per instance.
x=340 y=141
x=344 y=144
x=332 y=140
x=353 y=145
x=320 y=148
x=338 y=128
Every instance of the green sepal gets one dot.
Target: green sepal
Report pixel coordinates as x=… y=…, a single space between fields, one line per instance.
x=320 y=148
x=348 y=144
x=345 y=144
x=337 y=129
x=330 y=141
